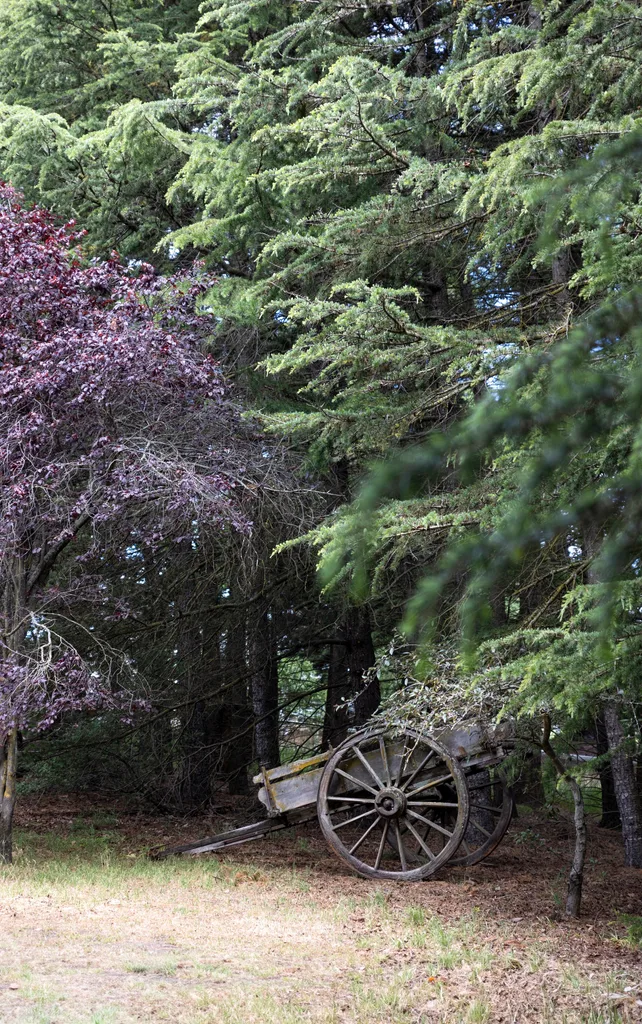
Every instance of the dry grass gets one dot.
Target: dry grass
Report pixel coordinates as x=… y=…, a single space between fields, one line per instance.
x=94 y=933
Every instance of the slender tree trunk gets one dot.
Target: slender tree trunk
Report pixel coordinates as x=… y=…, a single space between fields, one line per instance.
x=421 y=62
x=8 y=773
x=610 y=812
x=561 y=272
x=626 y=790
x=13 y=624
x=265 y=693
x=576 y=875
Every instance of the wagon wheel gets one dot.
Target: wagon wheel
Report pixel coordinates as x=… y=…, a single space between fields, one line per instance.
x=491 y=810
x=377 y=785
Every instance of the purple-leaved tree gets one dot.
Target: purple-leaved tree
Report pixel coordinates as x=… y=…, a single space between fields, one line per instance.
x=112 y=422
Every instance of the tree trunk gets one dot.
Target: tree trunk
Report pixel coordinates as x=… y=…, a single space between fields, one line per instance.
x=421 y=62
x=626 y=791
x=576 y=876
x=353 y=688
x=8 y=772
x=13 y=629
x=561 y=272
x=237 y=712
x=364 y=683
x=265 y=693
x=337 y=715
x=610 y=812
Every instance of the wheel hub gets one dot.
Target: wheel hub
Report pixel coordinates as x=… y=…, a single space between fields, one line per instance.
x=390 y=802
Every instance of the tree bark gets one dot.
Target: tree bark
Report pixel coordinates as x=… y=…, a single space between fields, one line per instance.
x=13 y=629
x=353 y=688
x=236 y=712
x=626 y=791
x=610 y=811
x=337 y=715
x=8 y=774
x=576 y=874
x=361 y=658
x=421 y=62
x=561 y=272
x=265 y=693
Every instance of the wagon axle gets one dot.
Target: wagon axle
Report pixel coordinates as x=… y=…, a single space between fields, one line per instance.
x=391 y=802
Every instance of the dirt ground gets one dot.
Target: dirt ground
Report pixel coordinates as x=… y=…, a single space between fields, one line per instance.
x=278 y=932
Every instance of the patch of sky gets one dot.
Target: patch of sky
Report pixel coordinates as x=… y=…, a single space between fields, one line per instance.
x=210 y=128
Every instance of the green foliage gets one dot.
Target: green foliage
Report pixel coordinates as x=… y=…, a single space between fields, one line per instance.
x=426 y=220
x=88 y=123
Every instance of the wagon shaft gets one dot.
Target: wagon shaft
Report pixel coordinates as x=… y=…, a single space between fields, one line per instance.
x=236 y=836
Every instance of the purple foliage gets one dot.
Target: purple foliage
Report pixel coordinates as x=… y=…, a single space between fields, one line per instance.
x=111 y=418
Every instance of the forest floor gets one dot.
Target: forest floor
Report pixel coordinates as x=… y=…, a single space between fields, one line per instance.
x=93 y=932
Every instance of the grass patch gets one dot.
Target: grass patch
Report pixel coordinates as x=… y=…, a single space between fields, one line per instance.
x=632 y=925
x=112 y=938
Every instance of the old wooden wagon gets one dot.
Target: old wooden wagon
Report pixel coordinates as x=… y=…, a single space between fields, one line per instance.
x=391 y=804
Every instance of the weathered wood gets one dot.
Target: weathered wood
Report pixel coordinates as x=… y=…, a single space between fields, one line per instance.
x=378 y=789
x=234 y=837
x=293 y=786
x=628 y=797
x=368 y=763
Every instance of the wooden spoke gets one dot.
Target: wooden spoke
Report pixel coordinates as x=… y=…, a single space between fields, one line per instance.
x=429 y=785
x=384 y=836
x=351 y=778
x=493 y=808
x=357 y=817
x=344 y=807
x=384 y=758
x=480 y=828
x=421 y=767
x=433 y=824
x=401 y=849
x=359 y=828
x=368 y=767
x=425 y=848
x=402 y=763
x=353 y=799
x=365 y=835
x=432 y=803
